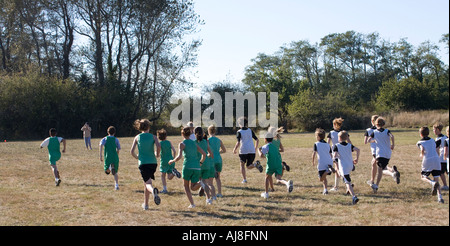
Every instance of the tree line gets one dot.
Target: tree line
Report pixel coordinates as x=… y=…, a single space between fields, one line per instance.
x=350 y=75
x=108 y=62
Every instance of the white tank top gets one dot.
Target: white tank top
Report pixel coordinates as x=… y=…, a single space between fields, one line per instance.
x=247 y=146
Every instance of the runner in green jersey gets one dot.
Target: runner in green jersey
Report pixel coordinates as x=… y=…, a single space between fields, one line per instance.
x=218 y=148
x=167 y=154
x=145 y=142
x=274 y=166
x=191 y=164
x=111 y=154
x=54 y=154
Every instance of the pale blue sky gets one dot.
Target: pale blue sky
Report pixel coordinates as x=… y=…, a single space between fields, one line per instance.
x=235 y=31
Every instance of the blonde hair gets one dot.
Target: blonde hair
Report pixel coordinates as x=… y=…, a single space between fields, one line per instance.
x=343 y=135
x=375 y=117
x=142 y=125
x=276 y=132
x=212 y=129
x=337 y=123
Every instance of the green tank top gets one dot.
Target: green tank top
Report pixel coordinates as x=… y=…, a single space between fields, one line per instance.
x=273 y=157
x=277 y=143
x=111 y=150
x=204 y=145
x=54 y=153
x=166 y=151
x=191 y=160
x=214 y=144
x=146 y=147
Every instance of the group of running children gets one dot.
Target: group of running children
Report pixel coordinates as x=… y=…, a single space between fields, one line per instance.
x=203 y=162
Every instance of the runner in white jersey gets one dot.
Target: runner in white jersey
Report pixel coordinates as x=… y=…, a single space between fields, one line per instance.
x=383 y=137
x=333 y=138
x=373 y=149
x=440 y=141
x=430 y=162
x=324 y=159
x=247 y=149
x=343 y=151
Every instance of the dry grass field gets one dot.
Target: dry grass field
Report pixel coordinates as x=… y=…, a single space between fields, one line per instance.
x=28 y=195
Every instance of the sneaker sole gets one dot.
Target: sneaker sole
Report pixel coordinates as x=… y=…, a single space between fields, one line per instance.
x=156 y=198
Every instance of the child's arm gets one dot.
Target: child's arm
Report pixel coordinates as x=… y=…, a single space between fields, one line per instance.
x=180 y=152
x=203 y=154
x=158 y=147
x=260 y=153
x=174 y=151
x=45 y=143
x=64 y=145
x=392 y=140
x=222 y=147
x=238 y=143
x=422 y=151
x=100 y=152
x=133 y=148
x=281 y=147
x=446 y=151
x=211 y=154
x=357 y=155
x=256 y=144
x=314 y=157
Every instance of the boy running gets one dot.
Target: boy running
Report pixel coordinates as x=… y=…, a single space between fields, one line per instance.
x=383 y=138
x=430 y=162
x=274 y=166
x=167 y=154
x=343 y=152
x=112 y=148
x=324 y=159
x=54 y=154
x=247 y=150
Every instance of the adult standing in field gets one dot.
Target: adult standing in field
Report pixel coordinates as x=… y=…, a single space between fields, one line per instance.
x=87 y=135
x=146 y=142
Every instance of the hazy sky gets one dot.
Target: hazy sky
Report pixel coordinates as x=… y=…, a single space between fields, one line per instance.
x=235 y=31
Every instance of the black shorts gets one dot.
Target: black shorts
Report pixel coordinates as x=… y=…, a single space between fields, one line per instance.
x=347 y=179
x=382 y=162
x=322 y=172
x=247 y=158
x=444 y=167
x=148 y=171
x=434 y=173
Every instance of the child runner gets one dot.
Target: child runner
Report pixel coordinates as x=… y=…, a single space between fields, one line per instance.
x=383 y=138
x=145 y=142
x=112 y=148
x=446 y=151
x=167 y=154
x=247 y=150
x=343 y=152
x=334 y=139
x=373 y=148
x=430 y=162
x=207 y=169
x=324 y=159
x=191 y=164
x=274 y=166
x=276 y=133
x=53 y=145
x=217 y=148
x=440 y=141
